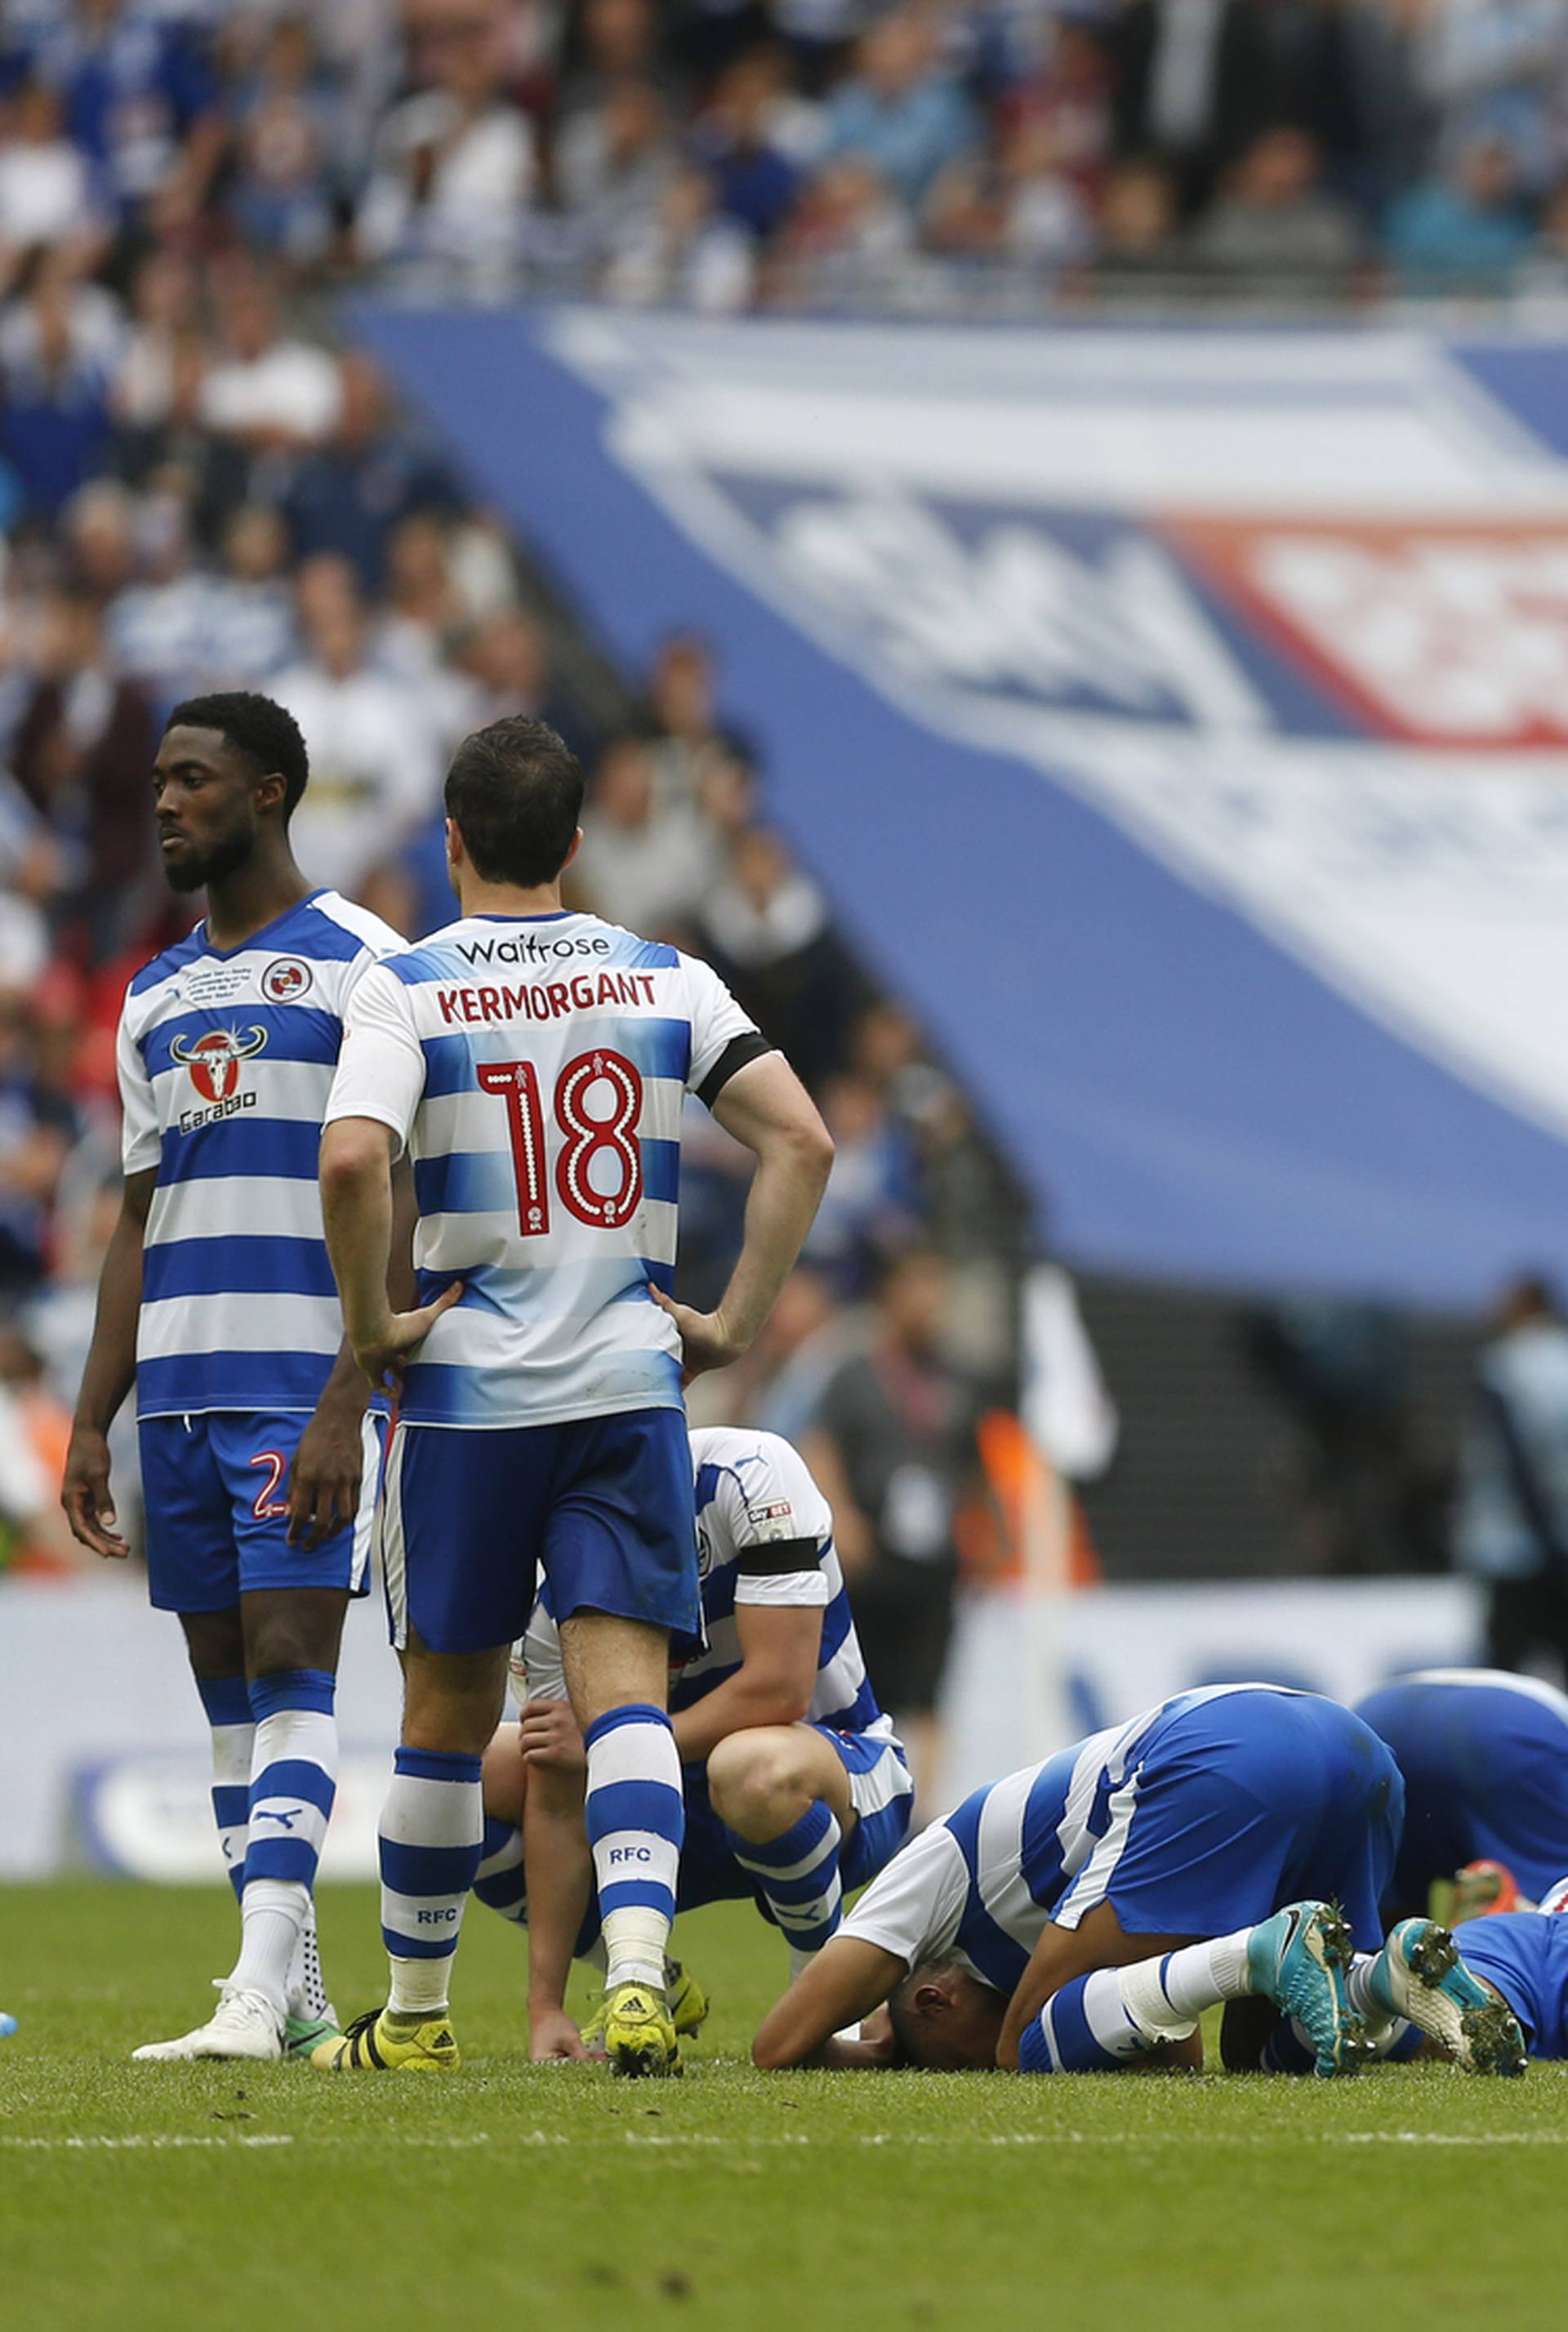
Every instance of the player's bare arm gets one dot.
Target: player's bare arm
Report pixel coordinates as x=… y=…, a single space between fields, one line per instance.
x=768 y=1111
x=559 y=1868
x=773 y=1685
x=325 y=1478
x=358 y=1214
x=108 y=1377
x=844 y=1982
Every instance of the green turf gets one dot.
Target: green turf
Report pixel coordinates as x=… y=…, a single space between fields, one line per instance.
x=178 y=2196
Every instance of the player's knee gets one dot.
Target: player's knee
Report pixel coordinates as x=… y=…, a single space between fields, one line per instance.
x=276 y=1647
x=283 y=1632
x=505 y=1778
x=215 y=1643
x=756 y=1781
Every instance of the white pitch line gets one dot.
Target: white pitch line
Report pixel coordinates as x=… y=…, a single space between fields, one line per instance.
x=453 y=2141
x=149 y=2142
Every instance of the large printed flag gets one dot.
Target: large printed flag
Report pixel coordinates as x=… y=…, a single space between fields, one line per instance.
x=1180 y=721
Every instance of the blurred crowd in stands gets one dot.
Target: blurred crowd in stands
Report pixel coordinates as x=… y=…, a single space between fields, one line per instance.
x=781 y=153
x=200 y=487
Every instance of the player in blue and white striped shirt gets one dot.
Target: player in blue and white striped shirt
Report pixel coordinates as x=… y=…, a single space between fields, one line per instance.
x=535 y=1063
x=1200 y=1838
x=258 y=1459
x=796 y=1790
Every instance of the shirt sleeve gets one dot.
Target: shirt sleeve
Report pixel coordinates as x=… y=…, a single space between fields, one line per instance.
x=780 y=1522
x=140 y=1143
x=381 y=1067
x=723 y=1038
x=367 y=960
x=913 y=1909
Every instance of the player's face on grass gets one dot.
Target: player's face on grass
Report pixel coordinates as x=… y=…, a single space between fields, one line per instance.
x=205 y=804
x=949 y=2024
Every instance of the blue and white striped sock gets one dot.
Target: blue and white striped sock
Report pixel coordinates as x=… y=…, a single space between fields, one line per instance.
x=431 y=1839
x=293 y=1781
x=798 y=1875
x=228 y=1703
x=502 y=1882
x=636 y=1819
x=1085 y=2028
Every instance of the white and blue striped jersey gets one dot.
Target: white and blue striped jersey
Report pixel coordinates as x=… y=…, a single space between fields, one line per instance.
x=764 y=1540
x=984 y=1883
x=225 y=1061
x=535 y=1067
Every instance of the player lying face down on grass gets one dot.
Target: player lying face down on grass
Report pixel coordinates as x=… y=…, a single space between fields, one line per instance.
x=1485 y=1761
x=995 y=1939
x=535 y=1063
x=796 y=1790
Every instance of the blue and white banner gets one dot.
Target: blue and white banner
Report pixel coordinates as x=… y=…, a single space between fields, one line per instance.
x=112 y=1772
x=1179 y=719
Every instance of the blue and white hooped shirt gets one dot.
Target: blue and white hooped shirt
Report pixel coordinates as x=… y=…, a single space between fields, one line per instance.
x=535 y=1066
x=226 y=1060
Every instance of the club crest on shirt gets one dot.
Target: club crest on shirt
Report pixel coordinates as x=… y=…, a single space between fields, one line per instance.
x=286 y=979
x=214 y=1062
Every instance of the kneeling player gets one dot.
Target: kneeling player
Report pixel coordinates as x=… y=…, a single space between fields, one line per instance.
x=796 y=1789
x=996 y=1937
x=1485 y=1761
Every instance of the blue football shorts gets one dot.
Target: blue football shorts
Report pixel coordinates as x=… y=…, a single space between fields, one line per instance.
x=1234 y=1807
x=216 y=1489
x=1486 y=1770
x=605 y=1505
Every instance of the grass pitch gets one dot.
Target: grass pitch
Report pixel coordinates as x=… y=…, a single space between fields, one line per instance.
x=208 y=2196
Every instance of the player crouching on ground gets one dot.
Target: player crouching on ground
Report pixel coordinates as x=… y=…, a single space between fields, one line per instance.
x=1485 y=1761
x=795 y=1790
x=1217 y=1833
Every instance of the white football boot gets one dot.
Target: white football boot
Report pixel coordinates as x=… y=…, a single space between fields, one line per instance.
x=244 y=2024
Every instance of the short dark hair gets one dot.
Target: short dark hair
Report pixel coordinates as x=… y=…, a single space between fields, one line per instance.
x=514 y=791
x=901 y=2009
x=253 y=725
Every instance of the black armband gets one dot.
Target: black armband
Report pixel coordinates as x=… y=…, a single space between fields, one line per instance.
x=737 y=1053
x=778 y=1560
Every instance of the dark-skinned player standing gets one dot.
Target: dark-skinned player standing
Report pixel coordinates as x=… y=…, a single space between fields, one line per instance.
x=258 y=1452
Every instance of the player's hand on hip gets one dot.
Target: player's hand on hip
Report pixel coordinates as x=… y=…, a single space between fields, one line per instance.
x=383 y=1353
x=552 y=2038
x=548 y=1735
x=705 y=1342
x=85 y=1495
x=324 y=1479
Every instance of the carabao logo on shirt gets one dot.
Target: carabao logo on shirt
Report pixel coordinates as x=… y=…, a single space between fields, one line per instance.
x=214 y=1063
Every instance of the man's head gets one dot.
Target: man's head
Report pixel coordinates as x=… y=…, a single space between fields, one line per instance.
x=513 y=802
x=912 y=1298
x=255 y=544
x=229 y=772
x=1526 y=1302
x=946 y=2019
